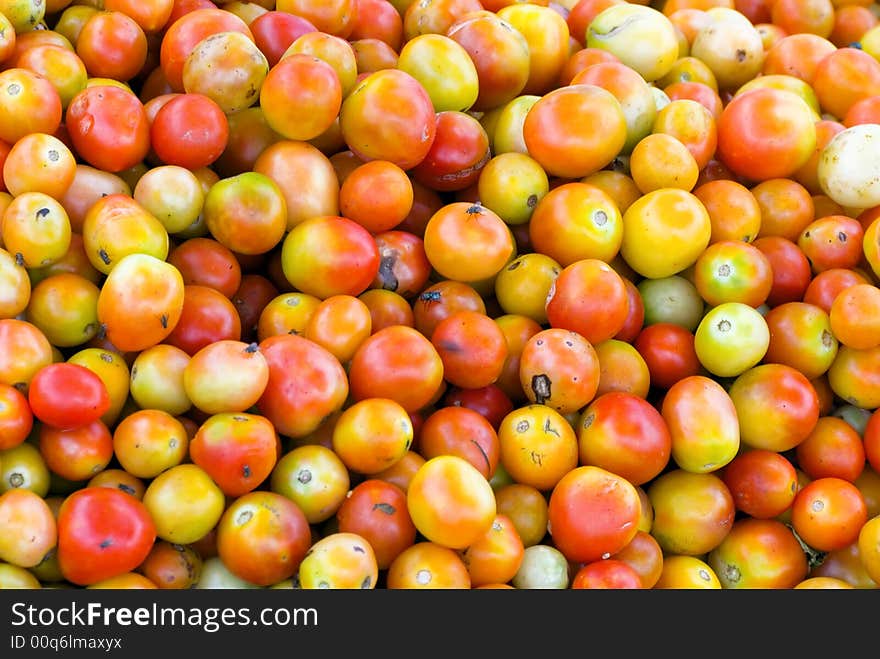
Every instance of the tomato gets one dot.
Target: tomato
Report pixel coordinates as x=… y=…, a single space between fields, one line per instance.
x=693 y=512
x=665 y=231
x=596 y=316
x=439 y=301
x=644 y=555
x=801 y=336
x=147 y=442
x=853 y=376
x=372 y=434
x=398 y=363
x=759 y=553
x=457 y=155
x=29 y=530
x=609 y=573
x=833 y=448
x=102 y=533
x=306 y=384
x=190 y=130
x=185 y=503
x=686 y=572
x=16 y=417
x=76 y=453
x=172 y=566
x=330 y=255
x=36 y=229
x=592 y=513
x=559 y=368
x=776 y=405
x=117 y=225
x=339 y=560
x=263 y=537
x=140 y=302
x=463 y=432
x=66 y=395
x=668 y=350
x=207 y=316
x=23 y=467
x=790 y=266
x=625 y=435
x=731 y=339
x=428 y=565
x=763 y=483
x=376 y=510
x=828 y=513
x=451 y=503
x=622 y=368
x=108 y=127
x=869 y=547
x=238 y=450
x=39 y=162
x=29 y=104
x=703 y=424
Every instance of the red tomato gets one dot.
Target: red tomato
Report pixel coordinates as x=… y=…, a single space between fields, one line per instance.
x=108 y=127
x=190 y=130
x=237 y=450
x=16 y=418
x=668 y=350
x=592 y=513
x=610 y=573
x=102 y=533
x=66 y=395
x=376 y=510
x=590 y=298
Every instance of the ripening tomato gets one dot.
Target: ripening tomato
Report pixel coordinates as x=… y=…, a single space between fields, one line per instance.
x=693 y=512
x=625 y=435
x=464 y=432
x=108 y=127
x=592 y=513
x=16 y=418
x=184 y=502
x=102 y=533
x=588 y=297
x=330 y=255
x=306 y=384
x=190 y=130
x=140 y=302
x=399 y=363
x=372 y=434
x=828 y=513
x=669 y=352
x=263 y=537
x=238 y=450
x=559 y=368
x=759 y=553
x=29 y=104
x=472 y=348
x=28 y=530
x=339 y=560
x=703 y=424
x=776 y=405
x=376 y=510
x=763 y=483
x=78 y=453
x=428 y=565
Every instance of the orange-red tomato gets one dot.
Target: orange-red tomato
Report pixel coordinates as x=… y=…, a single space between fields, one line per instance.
x=828 y=513
x=592 y=513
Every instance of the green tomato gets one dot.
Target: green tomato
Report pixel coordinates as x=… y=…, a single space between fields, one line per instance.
x=672 y=299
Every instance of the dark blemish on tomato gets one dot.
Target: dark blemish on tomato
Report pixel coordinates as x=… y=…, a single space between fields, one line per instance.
x=367 y=582
x=106 y=542
x=841 y=236
x=239 y=418
x=43 y=212
x=386 y=508
x=104 y=256
x=359 y=549
x=549 y=428
x=128 y=489
x=19 y=259
x=246 y=471
x=304 y=476
x=252 y=348
x=483 y=453
x=513 y=266
x=163 y=319
x=386 y=272
x=449 y=346
x=522 y=426
x=541 y=388
x=741 y=55
x=532 y=201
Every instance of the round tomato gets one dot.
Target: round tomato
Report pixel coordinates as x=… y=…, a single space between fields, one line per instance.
x=102 y=533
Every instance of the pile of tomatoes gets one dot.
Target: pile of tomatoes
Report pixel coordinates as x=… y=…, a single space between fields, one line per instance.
x=440 y=294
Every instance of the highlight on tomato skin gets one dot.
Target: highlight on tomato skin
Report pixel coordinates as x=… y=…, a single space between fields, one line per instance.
x=442 y=294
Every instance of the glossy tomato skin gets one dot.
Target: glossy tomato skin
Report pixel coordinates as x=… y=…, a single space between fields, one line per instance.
x=190 y=131
x=102 y=533
x=108 y=127
x=592 y=512
x=67 y=395
x=376 y=510
x=306 y=384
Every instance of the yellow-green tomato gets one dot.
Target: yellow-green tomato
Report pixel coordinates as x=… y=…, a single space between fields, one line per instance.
x=314 y=478
x=508 y=133
x=522 y=286
x=731 y=338
x=512 y=184
x=641 y=37
x=444 y=68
